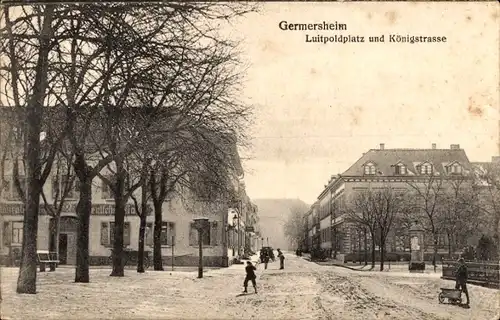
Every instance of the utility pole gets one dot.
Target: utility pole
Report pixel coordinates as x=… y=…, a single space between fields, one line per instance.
x=200 y=225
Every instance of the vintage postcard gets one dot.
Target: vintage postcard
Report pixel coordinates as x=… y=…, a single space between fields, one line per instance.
x=250 y=160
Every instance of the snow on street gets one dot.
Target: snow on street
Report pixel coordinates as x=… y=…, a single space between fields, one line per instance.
x=304 y=290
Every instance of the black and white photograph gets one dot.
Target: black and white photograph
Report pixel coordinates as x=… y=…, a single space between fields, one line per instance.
x=250 y=160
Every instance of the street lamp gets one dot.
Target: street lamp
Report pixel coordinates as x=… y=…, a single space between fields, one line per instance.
x=200 y=224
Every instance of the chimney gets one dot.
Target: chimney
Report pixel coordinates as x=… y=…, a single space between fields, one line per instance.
x=454 y=146
x=382 y=146
x=433 y=146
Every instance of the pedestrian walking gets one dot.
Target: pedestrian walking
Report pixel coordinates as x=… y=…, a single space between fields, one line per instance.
x=461 y=275
x=250 y=276
x=265 y=258
x=282 y=259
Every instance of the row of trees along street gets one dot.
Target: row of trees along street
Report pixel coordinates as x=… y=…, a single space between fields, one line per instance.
x=148 y=94
x=458 y=208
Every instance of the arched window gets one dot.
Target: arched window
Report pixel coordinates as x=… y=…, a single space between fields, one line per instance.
x=455 y=168
x=426 y=168
x=370 y=169
x=400 y=169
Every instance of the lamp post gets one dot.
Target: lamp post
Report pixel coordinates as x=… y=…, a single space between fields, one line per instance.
x=200 y=224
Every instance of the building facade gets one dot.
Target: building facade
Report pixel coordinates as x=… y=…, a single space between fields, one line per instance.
x=179 y=238
x=401 y=169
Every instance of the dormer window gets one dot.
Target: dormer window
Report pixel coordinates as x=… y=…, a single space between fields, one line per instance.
x=369 y=169
x=400 y=169
x=426 y=168
x=455 y=168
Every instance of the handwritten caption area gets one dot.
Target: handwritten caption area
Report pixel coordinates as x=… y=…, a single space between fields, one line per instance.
x=338 y=28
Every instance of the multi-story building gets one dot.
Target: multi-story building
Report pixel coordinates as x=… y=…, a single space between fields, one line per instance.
x=375 y=169
x=179 y=238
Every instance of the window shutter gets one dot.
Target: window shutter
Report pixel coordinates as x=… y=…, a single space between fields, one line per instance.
x=104 y=233
x=6 y=188
x=55 y=188
x=126 y=234
x=7 y=233
x=193 y=235
x=173 y=236
x=214 y=234
x=111 y=233
x=149 y=234
x=164 y=233
x=170 y=233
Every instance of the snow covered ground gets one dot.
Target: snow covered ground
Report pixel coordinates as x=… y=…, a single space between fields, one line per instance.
x=304 y=290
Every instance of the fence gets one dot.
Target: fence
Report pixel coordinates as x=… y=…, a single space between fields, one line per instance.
x=483 y=273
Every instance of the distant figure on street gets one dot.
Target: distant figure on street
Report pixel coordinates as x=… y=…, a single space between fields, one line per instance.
x=282 y=259
x=250 y=276
x=461 y=275
x=265 y=258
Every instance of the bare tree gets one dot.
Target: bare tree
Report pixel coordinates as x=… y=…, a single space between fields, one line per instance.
x=361 y=212
x=142 y=211
x=458 y=217
x=294 y=226
x=104 y=58
x=488 y=183
x=389 y=203
x=430 y=194
x=29 y=37
x=63 y=184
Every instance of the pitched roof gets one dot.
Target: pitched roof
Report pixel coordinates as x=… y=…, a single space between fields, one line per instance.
x=386 y=159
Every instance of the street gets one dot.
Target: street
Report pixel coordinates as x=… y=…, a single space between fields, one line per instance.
x=304 y=290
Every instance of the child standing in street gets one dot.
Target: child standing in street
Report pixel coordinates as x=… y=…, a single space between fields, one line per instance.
x=250 y=276
x=282 y=259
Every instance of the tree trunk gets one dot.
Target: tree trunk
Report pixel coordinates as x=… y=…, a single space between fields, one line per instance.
x=435 y=250
x=157 y=258
x=450 y=247
x=142 y=232
x=358 y=244
x=26 y=281
x=83 y=210
x=382 y=252
x=118 y=267
x=365 y=246
x=373 y=250
x=54 y=245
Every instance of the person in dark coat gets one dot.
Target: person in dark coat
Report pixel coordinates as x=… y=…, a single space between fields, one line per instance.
x=250 y=276
x=282 y=259
x=461 y=275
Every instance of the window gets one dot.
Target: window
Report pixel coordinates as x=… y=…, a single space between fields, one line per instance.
x=370 y=169
x=12 y=232
x=167 y=231
x=426 y=168
x=17 y=136
x=59 y=186
x=209 y=237
x=108 y=234
x=400 y=169
x=455 y=169
x=106 y=191
x=6 y=188
x=10 y=189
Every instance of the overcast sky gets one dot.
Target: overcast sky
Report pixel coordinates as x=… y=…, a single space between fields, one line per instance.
x=320 y=106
